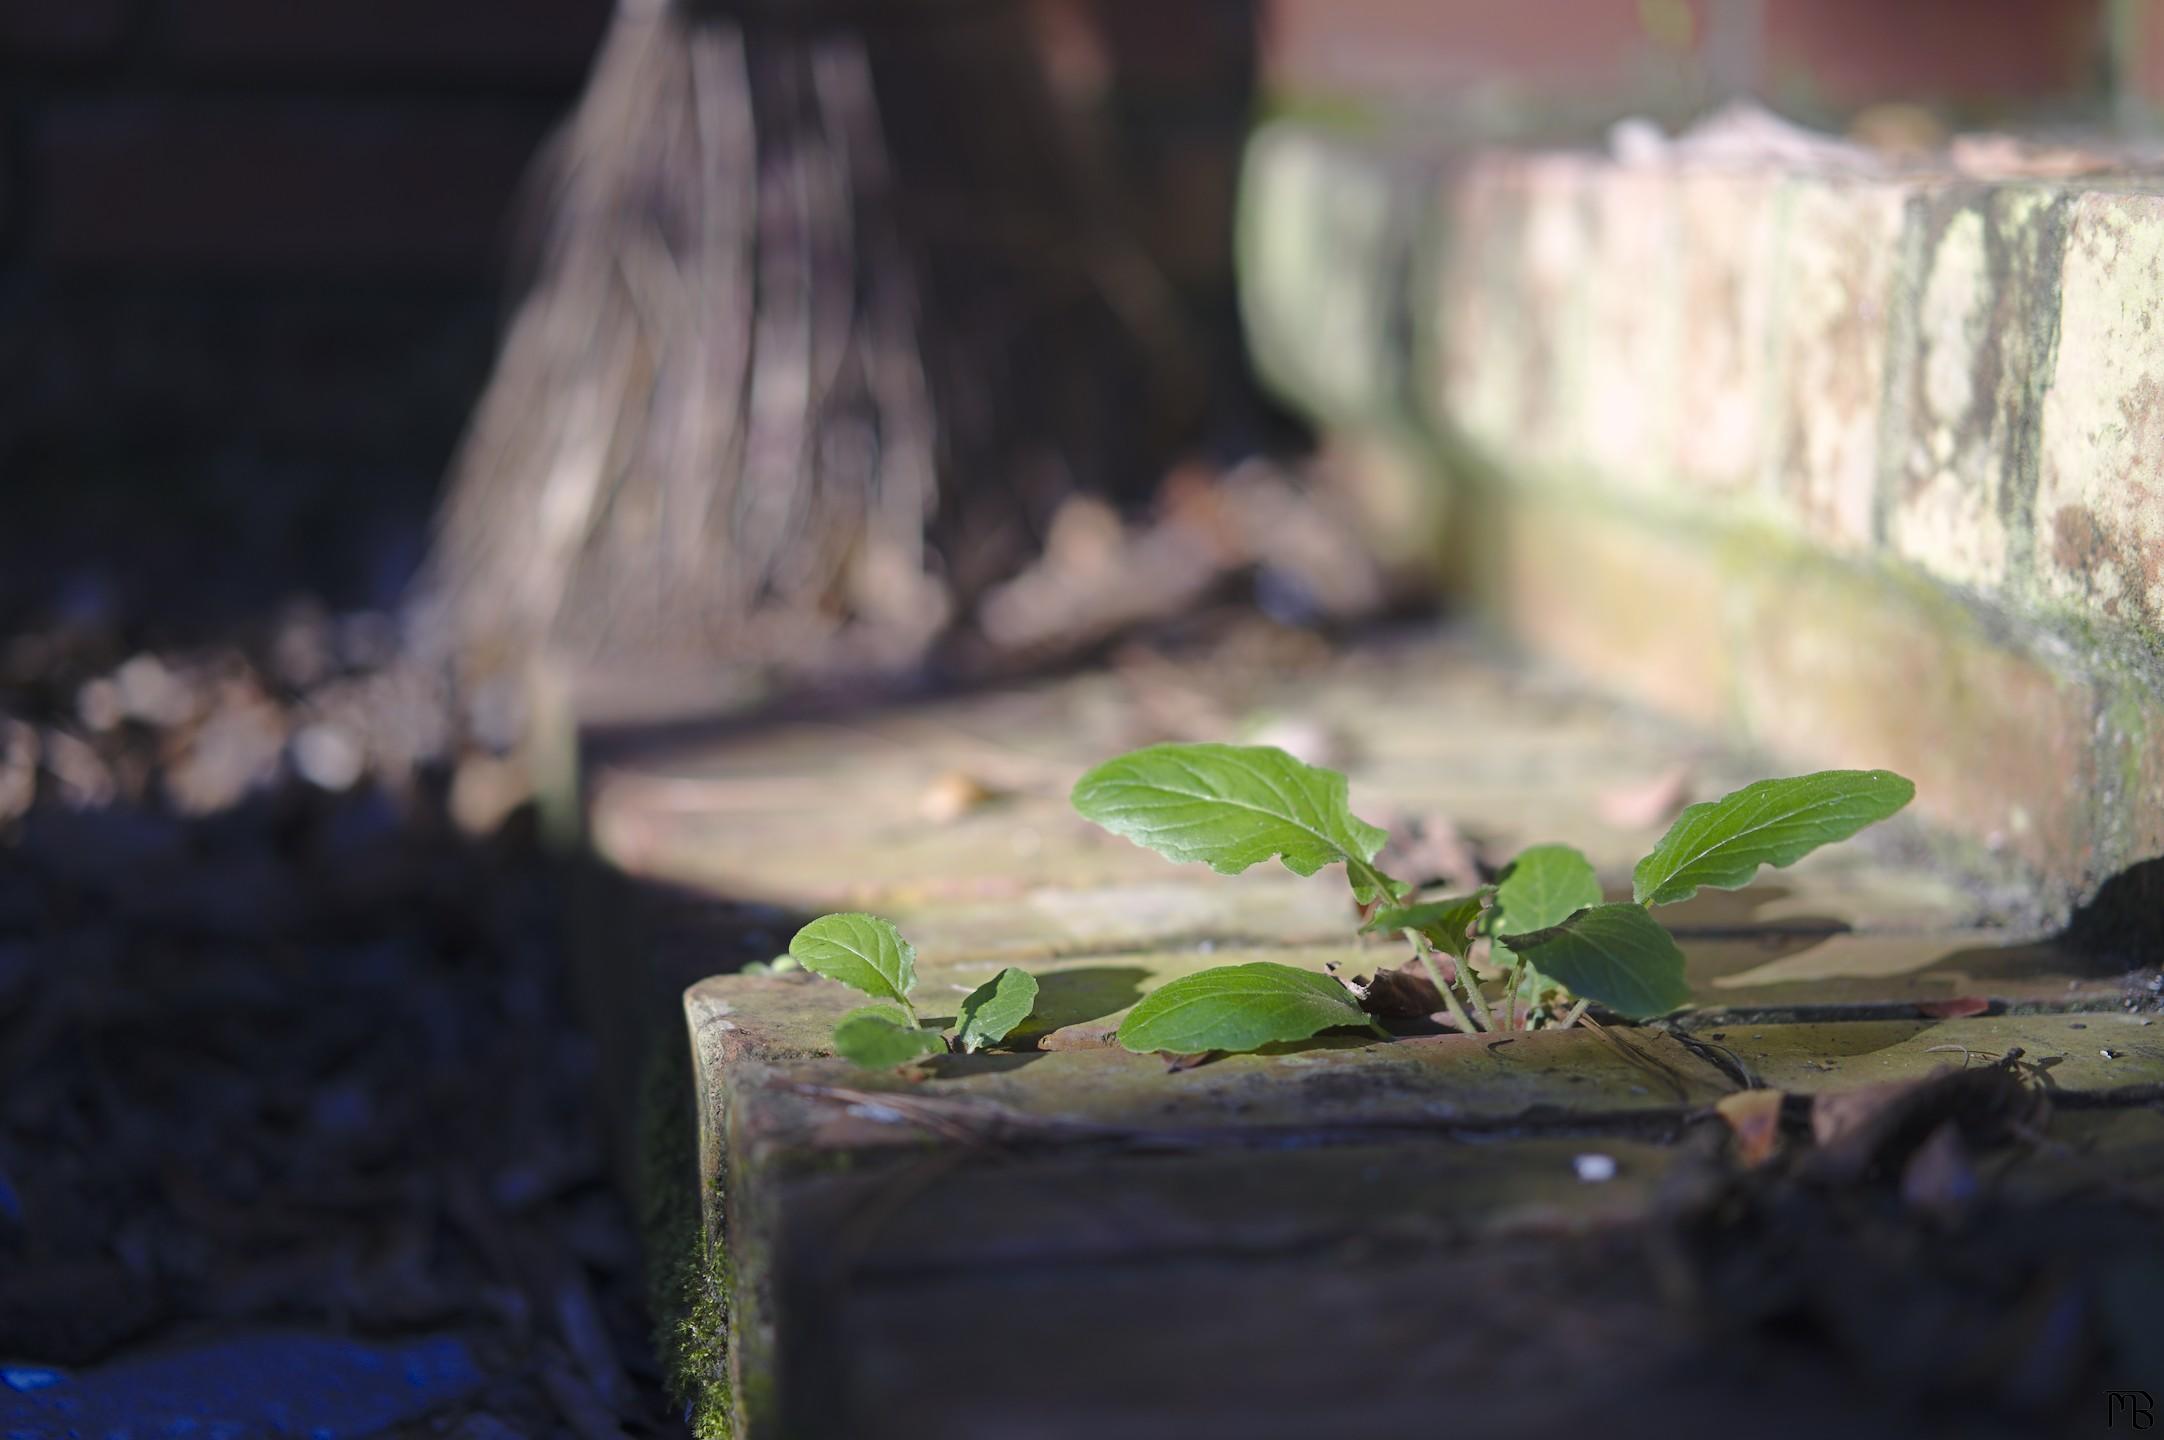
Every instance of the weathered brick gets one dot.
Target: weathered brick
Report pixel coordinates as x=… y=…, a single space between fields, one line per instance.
x=1504 y=353
x=1728 y=254
x=1642 y=612
x=1631 y=386
x=235 y=183
x=2100 y=487
x=1839 y=260
x=1966 y=392
x=1824 y=664
x=471 y=39
x=1839 y=667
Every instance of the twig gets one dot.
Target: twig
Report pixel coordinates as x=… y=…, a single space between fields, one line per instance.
x=1651 y=1064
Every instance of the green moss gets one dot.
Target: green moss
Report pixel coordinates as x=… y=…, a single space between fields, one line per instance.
x=1339 y=114
x=688 y=1281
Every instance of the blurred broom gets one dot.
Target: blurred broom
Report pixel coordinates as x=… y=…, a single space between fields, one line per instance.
x=719 y=423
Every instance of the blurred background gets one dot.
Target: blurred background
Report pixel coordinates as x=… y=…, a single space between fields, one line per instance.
x=354 y=352
x=258 y=258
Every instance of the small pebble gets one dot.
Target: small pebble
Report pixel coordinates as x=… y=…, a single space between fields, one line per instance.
x=1594 y=1169
x=328 y=758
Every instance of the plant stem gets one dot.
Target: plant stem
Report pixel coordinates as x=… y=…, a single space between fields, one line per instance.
x=1577 y=1012
x=1426 y=953
x=1472 y=993
x=1511 y=1019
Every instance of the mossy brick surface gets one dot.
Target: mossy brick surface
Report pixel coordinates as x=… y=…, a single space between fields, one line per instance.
x=2040 y=757
x=1062 y=1180
x=2099 y=516
x=1427 y=733
x=1059 y=1179
x=1964 y=398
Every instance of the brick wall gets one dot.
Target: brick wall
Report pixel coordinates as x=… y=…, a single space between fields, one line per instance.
x=1552 y=66
x=1854 y=458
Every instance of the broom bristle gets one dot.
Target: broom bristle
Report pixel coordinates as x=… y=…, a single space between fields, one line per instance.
x=708 y=429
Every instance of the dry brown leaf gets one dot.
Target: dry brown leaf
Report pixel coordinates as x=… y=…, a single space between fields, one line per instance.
x=1079 y=1037
x=1957 y=1008
x=1840 y=1114
x=1878 y=1127
x=1754 y=1116
x=1403 y=993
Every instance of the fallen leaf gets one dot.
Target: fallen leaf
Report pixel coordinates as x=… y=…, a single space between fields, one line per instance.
x=1402 y=993
x=1938 y=1178
x=1754 y=1116
x=1644 y=804
x=1878 y=1127
x=1959 y=1007
x=1079 y=1037
x=952 y=796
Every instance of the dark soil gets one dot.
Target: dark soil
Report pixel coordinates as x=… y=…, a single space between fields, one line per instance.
x=282 y=1054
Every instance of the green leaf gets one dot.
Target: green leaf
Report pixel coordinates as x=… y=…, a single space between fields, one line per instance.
x=862 y=951
x=879 y=1038
x=1232 y=806
x=1618 y=955
x=993 y=1009
x=1774 y=822
x=1444 y=922
x=1545 y=885
x=1238 y=1007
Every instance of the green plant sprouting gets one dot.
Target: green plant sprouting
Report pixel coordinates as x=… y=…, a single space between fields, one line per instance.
x=1554 y=943
x=868 y=954
x=1553 y=940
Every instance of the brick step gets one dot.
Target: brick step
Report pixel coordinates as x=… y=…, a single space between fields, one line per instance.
x=1072 y=1233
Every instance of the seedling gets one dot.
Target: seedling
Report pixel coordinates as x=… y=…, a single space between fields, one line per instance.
x=868 y=954
x=1553 y=945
